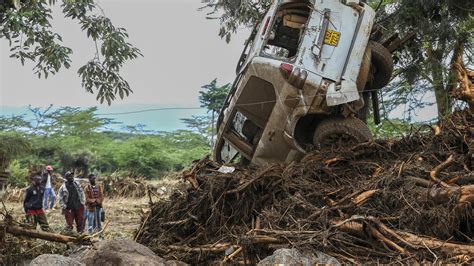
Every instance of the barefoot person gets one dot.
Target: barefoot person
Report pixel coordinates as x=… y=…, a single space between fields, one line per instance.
x=94 y=198
x=71 y=200
x=49 y=194
x=33 y=204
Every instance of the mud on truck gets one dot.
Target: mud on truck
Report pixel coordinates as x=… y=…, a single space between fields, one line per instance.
x=303 y=82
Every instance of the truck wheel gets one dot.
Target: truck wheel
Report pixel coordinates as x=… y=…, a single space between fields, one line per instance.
x=382 y=61
x=364 y=71
x=340 y=131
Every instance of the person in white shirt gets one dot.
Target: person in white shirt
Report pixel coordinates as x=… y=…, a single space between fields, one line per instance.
x=49 y=194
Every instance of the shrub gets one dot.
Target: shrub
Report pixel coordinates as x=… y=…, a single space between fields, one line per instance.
x=18 y=175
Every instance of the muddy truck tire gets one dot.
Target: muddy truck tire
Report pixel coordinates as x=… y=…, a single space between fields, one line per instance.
x=340 y=131
x=382 y=62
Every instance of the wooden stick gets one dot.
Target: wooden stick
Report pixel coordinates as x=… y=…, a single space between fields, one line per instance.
x=20 y=231
x=231 y=256
x=387 y=241
x=191 y=174
x=244 y=186
x=205 y=248
x=436 y=244
x=333 y=160
x=357 y=229
x=364 y=196
x=142 y=226
x=281 y=232
x=389 y=231
x=192 y=179
x=435 y=172
x=179 y=222
x=149 y=196
x=101 y=231
x=265 y=240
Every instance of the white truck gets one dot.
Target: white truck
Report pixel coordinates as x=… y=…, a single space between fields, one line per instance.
x=300 y=82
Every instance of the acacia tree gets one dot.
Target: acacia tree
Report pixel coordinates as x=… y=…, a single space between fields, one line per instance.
x=212 y=98
x=26 y=25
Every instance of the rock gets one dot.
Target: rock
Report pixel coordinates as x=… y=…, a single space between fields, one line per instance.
x=294 y=257
x=120 y=251
x=53 y=259
x=322 y=258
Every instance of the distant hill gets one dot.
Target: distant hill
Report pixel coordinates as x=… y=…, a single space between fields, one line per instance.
x=159 y=120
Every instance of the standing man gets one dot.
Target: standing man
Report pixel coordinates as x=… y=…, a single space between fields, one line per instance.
x=94 y=199
x=72 y=199
x=49 y=190
x=33 y=204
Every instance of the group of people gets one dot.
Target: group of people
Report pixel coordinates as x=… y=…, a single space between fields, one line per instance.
x=79 y=205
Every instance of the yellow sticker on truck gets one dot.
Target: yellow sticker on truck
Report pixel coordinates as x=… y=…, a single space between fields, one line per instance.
x=332 y=37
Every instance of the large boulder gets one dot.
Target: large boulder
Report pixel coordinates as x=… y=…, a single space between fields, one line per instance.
x=53 y=259
x=294 y=257
x=120 y=251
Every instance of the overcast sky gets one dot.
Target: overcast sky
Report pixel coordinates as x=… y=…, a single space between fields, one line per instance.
x=181 y=53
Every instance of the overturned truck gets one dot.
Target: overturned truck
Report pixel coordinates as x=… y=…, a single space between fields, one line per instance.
x=304 y=80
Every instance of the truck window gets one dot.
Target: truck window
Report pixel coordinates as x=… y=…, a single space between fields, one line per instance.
x=246 y=129
x=287 y=30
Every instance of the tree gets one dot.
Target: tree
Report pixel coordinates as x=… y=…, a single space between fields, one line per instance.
x=12 y=145
x=74 y=121
x=234 y=14
x=201 y=124
x=444 y=32
x=71 y=121
x=14 y=123
x=212 y=98
x=27 y=27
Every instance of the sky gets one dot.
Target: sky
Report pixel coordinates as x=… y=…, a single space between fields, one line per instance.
x=181 y=49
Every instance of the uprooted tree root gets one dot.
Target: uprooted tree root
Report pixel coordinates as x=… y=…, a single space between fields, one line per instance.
x=386 y=201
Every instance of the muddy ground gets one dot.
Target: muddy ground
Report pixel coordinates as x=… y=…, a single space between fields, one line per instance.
x=123 y=215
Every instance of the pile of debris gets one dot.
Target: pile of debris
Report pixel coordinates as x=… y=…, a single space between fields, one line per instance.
x=409 y=200
x=129 y=187
x=13 y=194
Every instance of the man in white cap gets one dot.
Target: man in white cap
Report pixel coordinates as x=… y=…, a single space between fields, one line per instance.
x=49 y=194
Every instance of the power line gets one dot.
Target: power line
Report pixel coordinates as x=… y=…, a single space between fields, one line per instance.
x=241 y=104
x=153 y=109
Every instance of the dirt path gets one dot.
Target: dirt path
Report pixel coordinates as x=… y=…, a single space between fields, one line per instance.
x=123 y=214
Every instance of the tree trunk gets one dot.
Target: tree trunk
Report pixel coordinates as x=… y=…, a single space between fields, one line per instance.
x=357 y=229
x=462 y=86
x=443 y=98
x=212 y=130
x=20 y=231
